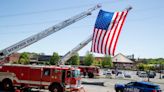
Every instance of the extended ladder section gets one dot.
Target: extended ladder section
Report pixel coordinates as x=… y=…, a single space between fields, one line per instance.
x=71 y=53
x=32 y=39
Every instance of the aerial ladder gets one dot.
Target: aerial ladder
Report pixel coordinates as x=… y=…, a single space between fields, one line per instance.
x=71 y=53
x=34 y=38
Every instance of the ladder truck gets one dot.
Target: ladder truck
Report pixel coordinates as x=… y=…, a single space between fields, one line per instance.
x=34 y=38
x=54 y=78
x=21 y=75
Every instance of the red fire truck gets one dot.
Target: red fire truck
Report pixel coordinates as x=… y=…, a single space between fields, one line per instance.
x=54 y=78
x=90 y=71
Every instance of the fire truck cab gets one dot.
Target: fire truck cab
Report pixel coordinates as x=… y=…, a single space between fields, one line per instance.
x=54 y=78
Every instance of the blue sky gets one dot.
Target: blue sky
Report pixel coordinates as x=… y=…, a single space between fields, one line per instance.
x=142 y=33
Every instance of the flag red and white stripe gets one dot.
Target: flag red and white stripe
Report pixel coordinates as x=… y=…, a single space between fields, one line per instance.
x=105 y=41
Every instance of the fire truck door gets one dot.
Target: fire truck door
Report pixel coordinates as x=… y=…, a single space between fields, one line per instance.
x=25 y=75
x=35 y=75
x=63 y=76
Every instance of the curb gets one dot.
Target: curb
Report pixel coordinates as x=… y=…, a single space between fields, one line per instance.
x=93 y=83
x=147 y=81
x=97 y=77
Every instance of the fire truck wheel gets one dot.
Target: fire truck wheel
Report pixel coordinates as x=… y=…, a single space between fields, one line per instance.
x=7 y=85
x=90 y=75
x=56 y=88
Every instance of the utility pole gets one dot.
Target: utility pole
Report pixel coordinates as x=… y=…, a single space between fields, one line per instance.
x=160 y=71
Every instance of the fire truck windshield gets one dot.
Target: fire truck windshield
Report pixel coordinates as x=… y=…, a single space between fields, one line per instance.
x=76 y=73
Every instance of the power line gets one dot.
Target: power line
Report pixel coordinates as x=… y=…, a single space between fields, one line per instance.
x=38 y=12
x=28 y=24
x=52 y=21
x=67 y=8
x=48 y=10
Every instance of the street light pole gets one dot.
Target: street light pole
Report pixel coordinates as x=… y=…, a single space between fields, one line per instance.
x=148 y=75
x=116 y=68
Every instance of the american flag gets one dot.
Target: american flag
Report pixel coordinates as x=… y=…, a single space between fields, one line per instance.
x=106 y=31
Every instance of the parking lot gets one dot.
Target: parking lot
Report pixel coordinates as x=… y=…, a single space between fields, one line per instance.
x=110 y=82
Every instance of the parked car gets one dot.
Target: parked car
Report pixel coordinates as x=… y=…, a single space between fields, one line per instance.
x=163 y=76
x=104 y=72
x=151 y=74
x=137 y=87
x=127 y=75
x=161 y=71
x=138 y=72
x=143 y=74
x=120 y=74
x=114 y=71
x=109 y=74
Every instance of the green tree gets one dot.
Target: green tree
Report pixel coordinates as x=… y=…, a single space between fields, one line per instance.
x=97 y=63
x=24 y=58
x=46 y=63
x=88 y=59
x=100 y=63
x=146 y=67
x=74 y=60
x=161 y=61
x=107 y=62
x=54 y=59
x=140 y=66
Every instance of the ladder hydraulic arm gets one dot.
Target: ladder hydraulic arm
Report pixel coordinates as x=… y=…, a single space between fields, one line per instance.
x=71 y=53
x=34 y=38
